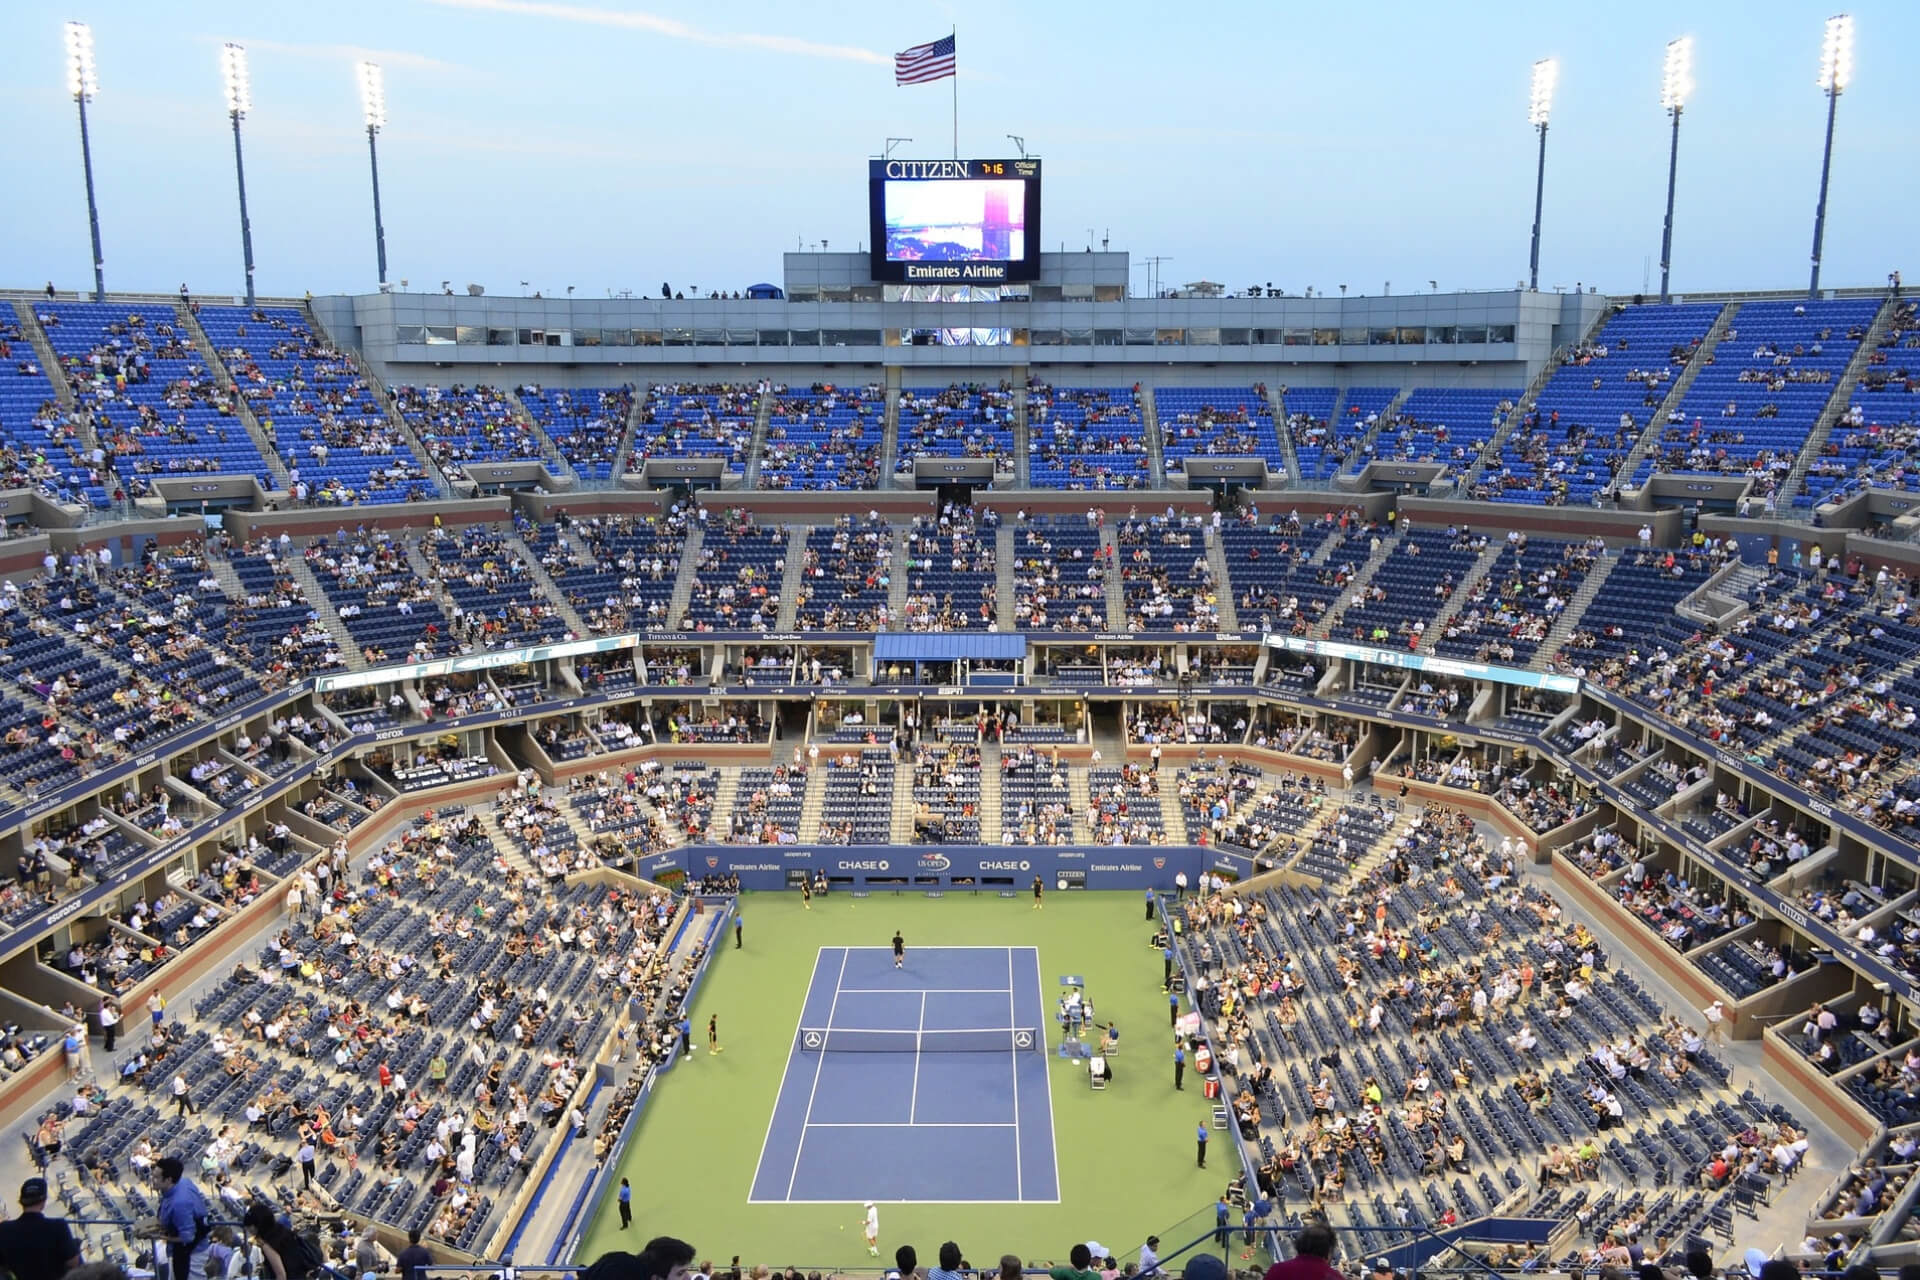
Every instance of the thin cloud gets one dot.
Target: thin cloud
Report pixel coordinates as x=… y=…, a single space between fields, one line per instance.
x=671 y=28
x=389 y=58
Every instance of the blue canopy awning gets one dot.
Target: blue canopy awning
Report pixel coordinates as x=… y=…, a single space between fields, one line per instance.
x=897 y=646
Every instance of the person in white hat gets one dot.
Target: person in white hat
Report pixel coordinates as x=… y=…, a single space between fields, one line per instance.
x=1717 y=1021
x=872 y=1228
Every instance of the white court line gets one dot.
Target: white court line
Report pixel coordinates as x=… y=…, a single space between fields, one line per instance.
x=807 y=1118
x=926 y=991
x=1053 y=1147
x=779 y=1093
x=1013 y=1019
x=913 y=1101
x=889 y=950
x=921 y=1124
x=843 y=1203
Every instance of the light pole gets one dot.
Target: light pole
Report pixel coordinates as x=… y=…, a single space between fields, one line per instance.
x=82 y=83
x=1546 y=73
x=1836 y=71
x=373 y=105
x=1676 y=82
x=233 y=73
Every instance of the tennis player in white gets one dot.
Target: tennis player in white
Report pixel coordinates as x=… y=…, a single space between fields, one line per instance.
x=872 y=1227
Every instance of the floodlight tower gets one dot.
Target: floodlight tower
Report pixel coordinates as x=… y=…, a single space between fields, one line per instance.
x=82 y=83
x=239 y=89
x=1676 y=84
x=373 y=106
x=1546 y=74
x=1836 y=72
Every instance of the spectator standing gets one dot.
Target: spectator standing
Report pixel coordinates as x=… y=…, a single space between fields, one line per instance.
x=183 y=1097
x=34 y=1246
x=110 y=1019
x=415 y=1258
x=1717 y=1020
x=183 y=1220
x=1312 y=1254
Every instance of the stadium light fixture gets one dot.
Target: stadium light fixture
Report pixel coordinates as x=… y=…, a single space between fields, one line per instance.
x=239 y=90
x=1546 y=76
x=373 y=108
x=83 y=83
x=1836 y=73
x=1676 y=86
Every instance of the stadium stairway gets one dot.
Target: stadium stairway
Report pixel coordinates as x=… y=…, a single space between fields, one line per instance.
x=1116 y=591
x=1223 y=583
x=1156 y=448
x=1363 y=450
x=683 y=584
x=1569 y=620
x=317 y=601
x=1021 y=437
x=545 y=585
x=1676 y=395
x=889 y=435
x=897 y=580
x=992 y=813
x=1837 y=404
x=902 y=815
x=1497 y=444
x=378 y=389
x=1463 y=590
x=1278 y=400
x=1004 y=599
x=1080 y=799
x=723 y=801
x=795 y=576
x=50 y=363
x=635 y=416
x=243 y=407
x=1323 y=628
x=550 y=455
x=813 y=804
x=757 y=451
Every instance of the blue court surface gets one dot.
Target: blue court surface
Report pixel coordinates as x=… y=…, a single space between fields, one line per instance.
x=926 y=1084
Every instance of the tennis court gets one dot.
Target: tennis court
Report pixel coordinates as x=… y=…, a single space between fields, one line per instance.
x=926 y=1084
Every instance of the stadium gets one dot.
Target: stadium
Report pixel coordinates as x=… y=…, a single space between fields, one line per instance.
x=521 y=776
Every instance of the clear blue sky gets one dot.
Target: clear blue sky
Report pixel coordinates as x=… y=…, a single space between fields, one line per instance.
x=611 y=146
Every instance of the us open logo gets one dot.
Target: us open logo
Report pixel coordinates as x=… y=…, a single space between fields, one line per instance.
x=935 y=862
x=1159 y=864
x=712 y=861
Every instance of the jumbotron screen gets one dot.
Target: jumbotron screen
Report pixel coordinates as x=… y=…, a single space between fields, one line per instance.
x=955 y=221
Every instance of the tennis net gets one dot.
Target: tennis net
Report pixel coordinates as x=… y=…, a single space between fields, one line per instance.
x=960 y=1040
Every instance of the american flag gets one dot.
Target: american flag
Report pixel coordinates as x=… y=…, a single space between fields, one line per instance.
x=924 y=62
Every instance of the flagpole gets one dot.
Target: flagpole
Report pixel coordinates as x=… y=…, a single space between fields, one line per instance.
x=954 y=33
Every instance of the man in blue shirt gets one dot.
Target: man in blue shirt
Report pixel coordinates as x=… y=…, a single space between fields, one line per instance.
x=183 y=1220
x=1220 y=1212
x=685 y=1028
x=1166 y=967
x=1149 y=904
x=739 y=923
x=626 y=1204
x=1179 y=1065
x=1200 y=1136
